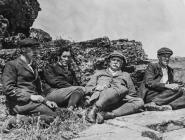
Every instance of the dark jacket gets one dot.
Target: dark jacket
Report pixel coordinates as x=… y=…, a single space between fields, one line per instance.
x=56 y=77
x=151 y=82
x=19 y=83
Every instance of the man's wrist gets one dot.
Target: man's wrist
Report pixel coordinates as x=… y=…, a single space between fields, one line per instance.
x=44 y=101
x=166 y=85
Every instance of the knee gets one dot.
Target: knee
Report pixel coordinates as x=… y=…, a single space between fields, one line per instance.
x=123 y=91
x=139 y=102
x=80 y=90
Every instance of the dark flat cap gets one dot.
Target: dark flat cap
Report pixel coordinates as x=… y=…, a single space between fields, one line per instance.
x=164 y=50
x=118 y=54
x=28 y=42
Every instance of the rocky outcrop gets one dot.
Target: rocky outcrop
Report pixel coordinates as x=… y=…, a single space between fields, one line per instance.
x=20 y=13
x=89 y=55
x=40 y=35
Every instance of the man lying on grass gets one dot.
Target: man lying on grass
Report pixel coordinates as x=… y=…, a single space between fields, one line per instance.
x=112 y=91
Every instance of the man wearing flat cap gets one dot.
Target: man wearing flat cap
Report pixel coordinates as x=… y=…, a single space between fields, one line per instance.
x=22 y=85
x=113 y=92
x=158 y=89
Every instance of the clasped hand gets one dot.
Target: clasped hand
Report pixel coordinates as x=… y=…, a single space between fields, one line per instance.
x=101 y=87
x=40 y=99
x=37 y=98
x=51 y=104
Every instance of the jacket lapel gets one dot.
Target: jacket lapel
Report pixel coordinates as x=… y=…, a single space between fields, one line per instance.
x=25 y=65
x=61 y=70
x=170 y=75
x=159 y=69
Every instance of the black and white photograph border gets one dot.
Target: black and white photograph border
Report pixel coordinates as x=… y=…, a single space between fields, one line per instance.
x=135 y=46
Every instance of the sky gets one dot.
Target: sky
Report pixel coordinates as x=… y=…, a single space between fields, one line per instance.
x=156 y=23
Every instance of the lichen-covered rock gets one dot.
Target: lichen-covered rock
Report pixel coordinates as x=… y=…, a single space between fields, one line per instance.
x=40 y=35
x=20 y=13
x=91 y=55
x=88 y=55
x=132 y=50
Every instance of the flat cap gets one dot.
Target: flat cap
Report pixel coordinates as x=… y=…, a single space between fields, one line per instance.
x=118 y=54
x=28 y=42
x=164 y=50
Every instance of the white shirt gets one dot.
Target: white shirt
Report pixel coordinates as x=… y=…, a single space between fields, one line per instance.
x=29 y=65
x=164 y=79
x=113 y=72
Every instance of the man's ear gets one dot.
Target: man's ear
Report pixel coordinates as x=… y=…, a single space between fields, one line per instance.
x=23 y=50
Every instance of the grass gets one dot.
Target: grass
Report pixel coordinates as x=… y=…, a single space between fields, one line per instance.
x=65 y=127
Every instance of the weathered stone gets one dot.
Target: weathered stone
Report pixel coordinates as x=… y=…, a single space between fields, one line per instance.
x=138 y=126
x=40 y=35
x=20 y=13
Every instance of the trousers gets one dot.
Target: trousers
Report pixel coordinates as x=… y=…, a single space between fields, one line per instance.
x=62 y=96
x=110 y=100
x=168 y=97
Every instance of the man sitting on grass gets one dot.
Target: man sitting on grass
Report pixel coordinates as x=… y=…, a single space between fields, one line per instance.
x=158 y=89
x=22 y=86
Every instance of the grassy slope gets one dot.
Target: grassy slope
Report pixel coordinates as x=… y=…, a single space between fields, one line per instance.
x=66 y=127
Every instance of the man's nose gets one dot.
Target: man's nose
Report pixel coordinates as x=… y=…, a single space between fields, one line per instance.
x=166 y=58
x=66 y=58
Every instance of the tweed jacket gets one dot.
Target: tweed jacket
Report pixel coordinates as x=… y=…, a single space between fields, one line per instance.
x=106 y=79
x=19 y=83
x=152 y=78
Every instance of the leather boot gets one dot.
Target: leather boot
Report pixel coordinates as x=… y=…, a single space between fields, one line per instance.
x=101 y=116
x=91 y=115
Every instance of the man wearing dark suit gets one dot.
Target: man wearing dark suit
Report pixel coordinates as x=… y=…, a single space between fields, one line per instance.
x=61 y=83
x=22 y=85
x=159 y=89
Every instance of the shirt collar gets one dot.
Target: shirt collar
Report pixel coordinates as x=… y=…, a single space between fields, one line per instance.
x=25 y=60
x=113 y=72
